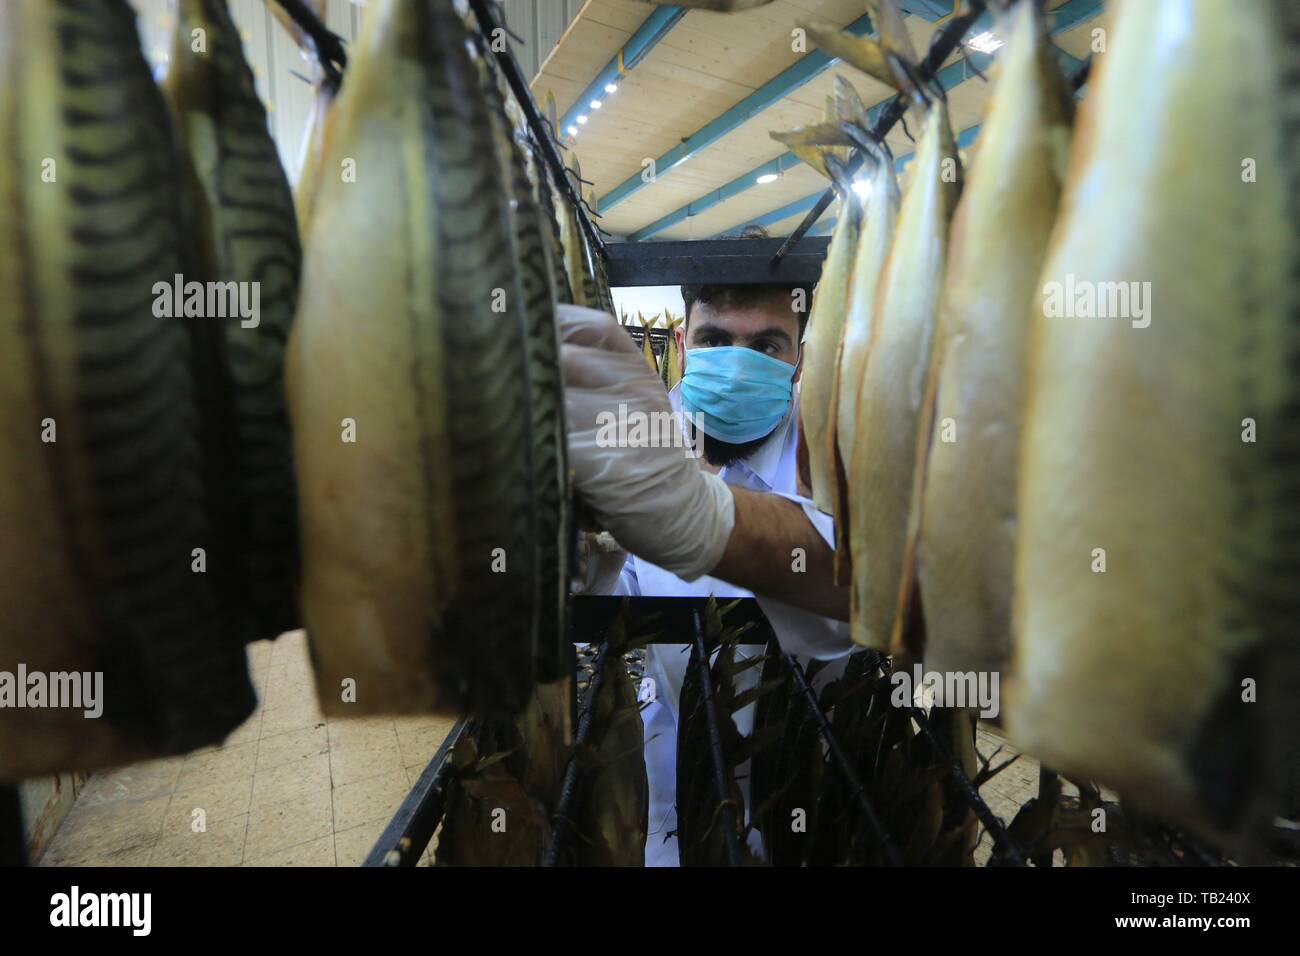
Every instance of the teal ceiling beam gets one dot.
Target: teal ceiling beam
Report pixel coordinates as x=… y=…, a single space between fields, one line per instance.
x=640 y=43
x=1065 y=17
x=774 y=90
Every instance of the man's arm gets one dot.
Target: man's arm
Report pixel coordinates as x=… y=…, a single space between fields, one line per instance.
x=776 y=552
x=658 y=502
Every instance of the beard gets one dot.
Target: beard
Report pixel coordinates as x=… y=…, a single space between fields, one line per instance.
x=721 y=453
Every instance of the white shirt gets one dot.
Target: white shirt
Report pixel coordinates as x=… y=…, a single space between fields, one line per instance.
x=772 y=468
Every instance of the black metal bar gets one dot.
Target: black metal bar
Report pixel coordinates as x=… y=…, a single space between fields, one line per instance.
x=845 y=765
x=544 y=136
x=412 y=826
x=330 y=50
x=1011 y=853
x=730 y=261
x=561 y=823
x=721 y=787
x=947 y=41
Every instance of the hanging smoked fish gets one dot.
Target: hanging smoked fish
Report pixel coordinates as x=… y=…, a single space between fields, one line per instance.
x=969 y=515
x=596 y=265
x=543 y=198
x=891 y=435
x=614 y=793
x=507 y=771
x=552 y=531
x=647 y=349
x=102 y=497
x=816 y=146
x=411 y=394
x=1155 y=645
x=880 y=216
x=577 y=253
x=672 y=358
x=248 y=239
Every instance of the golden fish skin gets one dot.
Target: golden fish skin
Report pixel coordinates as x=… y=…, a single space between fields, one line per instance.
x=413 y=434
x=672 y=359
x=515 y=765
x=888 y=453
x=615 y=794
x=820 y=345
x=1133 y=450
x=967 y=544
x=100 y=515
x=874 y=240
x=647 y=350
x=248 y=235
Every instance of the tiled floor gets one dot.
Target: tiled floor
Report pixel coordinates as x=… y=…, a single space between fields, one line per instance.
x=288 y=788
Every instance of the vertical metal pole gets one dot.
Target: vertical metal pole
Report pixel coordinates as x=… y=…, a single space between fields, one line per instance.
x=721 y=786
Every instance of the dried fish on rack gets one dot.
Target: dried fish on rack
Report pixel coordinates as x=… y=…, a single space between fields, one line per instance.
x=787 y=770
x=880 y=218
x=647 y=350
x=702 y=838
x=552 y=531
x=1154 y=630
x=505 y=784
x=672 y=358
x=102 y=499
x=246 y=235
x=816 y=145
x=414 y=435
x=999 y=239
x=892 y=434
x=613 y=792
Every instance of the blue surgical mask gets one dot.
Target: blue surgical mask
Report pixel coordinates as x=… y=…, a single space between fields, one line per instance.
x=740 y=393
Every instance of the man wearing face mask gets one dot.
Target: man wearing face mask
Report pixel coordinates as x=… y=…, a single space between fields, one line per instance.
x=734 y=525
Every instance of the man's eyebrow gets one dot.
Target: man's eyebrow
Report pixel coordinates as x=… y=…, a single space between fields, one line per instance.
x=772 y=332
x=707 y=328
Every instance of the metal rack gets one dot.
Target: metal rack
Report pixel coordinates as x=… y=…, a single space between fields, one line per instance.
x=413 y=825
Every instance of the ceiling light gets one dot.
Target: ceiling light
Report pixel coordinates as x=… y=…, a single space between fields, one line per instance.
x=611 y=87
x=573 y=130
x=862 y=187
x=582 y=117
x=595 y=104
x=766 y=178
x=985 y=42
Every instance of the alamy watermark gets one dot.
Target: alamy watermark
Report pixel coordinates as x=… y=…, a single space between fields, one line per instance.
x=209 y=300
x=1082 y=299
x=978 y=689
x=638 y=429
x=76 y=690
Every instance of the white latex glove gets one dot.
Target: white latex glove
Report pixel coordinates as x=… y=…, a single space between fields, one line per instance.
x=656 y=501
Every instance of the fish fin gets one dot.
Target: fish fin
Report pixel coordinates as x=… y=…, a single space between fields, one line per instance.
x=849 y=107
x=859 y=52
x=890 y=28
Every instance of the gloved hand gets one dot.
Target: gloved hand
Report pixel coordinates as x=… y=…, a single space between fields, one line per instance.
x=656 y=501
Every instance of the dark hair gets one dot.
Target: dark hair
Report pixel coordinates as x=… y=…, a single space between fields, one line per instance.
x=721 y=296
